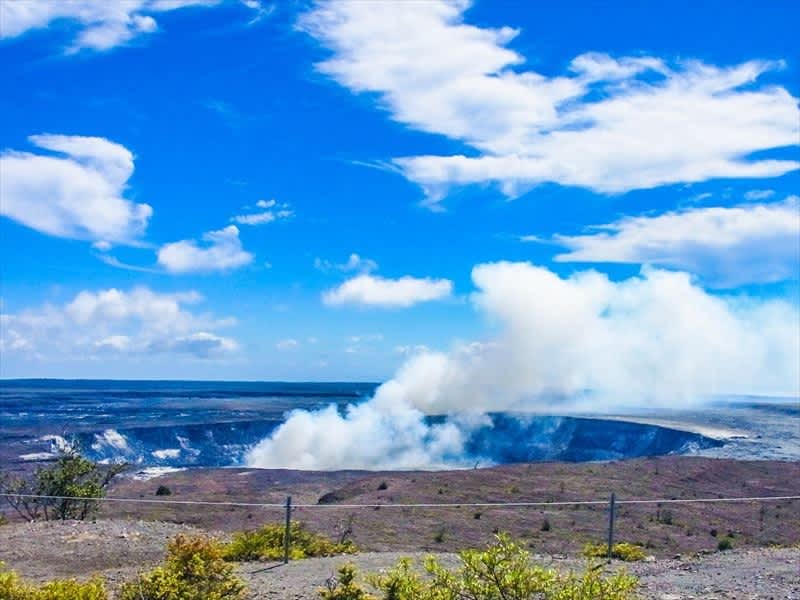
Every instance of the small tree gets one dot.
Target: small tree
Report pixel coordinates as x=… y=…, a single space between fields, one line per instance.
x=62 y=491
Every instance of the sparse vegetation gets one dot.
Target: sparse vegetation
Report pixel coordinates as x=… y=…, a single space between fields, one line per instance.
x=724 y=544
x=545 y=524
x=194 y=569
x=664 y=516
x=439 y=537
x=502 y=571
x=61 y=491
x=343 y=586
x=266 y=543
x=622 y=551
x=13 y=588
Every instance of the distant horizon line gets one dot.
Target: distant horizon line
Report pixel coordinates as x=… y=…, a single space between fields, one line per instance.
x=161 y=380
x=6 y=380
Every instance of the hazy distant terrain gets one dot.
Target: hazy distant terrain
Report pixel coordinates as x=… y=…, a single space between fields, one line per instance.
x=211 y=424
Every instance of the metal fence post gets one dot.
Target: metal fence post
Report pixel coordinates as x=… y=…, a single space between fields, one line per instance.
x=287 y=531
x=611 y=510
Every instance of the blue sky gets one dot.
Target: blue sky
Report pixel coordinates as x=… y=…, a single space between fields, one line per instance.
x=253 y=190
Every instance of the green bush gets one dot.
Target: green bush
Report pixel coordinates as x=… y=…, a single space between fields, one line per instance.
x=163 y=491
x=266 y=543
x=69 y=589
x=194 y=569
x=724 y=544
x=502 y=571
x=624 y=551
x=344 y=586
x=13 y=588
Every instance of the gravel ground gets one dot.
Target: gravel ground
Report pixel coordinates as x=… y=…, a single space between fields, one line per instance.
x=118 y=549
x=740 y=575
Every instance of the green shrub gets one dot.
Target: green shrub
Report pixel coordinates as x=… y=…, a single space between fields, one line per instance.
x=502 y=571
x=69 y=589
x=163 y=491
x=13 y=588
x=624 y=551
x=266 y=543
x=401 y=583
x=344 y=587
x=545 y=524
x=724 y=544
x=383 y=486
x=194 y=569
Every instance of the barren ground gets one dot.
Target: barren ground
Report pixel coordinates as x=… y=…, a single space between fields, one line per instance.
x=665 y=529
x=118 y=549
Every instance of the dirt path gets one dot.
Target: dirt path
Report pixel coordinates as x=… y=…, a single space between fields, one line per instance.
x=118 y=549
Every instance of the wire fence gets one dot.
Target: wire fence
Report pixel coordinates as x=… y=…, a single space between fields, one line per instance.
x=660 y=525
x=403 y=504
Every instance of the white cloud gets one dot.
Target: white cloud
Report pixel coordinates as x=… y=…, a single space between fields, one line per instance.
x=370 y=337
x=98 y=24
x=266 y=216
x=102 y=245
x=76 y=193
x=201 y=345
x=580 y=343
x=261 y=10
x=607 y=124
x=222 y=251
x=354 y=263
x=756 y=195
x=287 y=344
x=725 y=246
x=120 y=343
x=254 y=219
x=370 y=290
x=357 y=263
x=112 y=321
x=702 y=196
x=411 y=350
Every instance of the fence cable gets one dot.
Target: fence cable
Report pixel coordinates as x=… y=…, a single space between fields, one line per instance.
x=403 y=505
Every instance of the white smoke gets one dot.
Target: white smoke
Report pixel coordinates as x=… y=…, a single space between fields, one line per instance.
x=577 y=343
